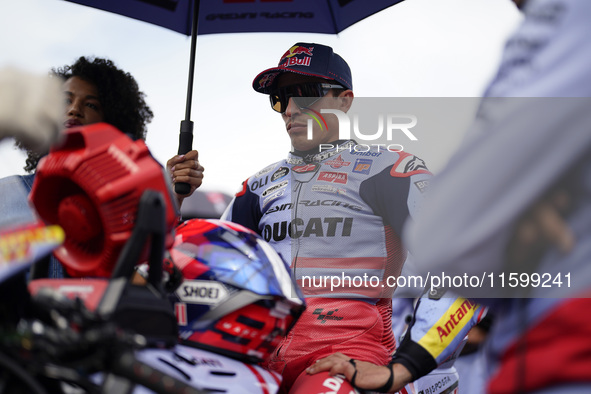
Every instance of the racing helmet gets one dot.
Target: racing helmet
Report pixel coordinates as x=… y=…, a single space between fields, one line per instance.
x=238 y=297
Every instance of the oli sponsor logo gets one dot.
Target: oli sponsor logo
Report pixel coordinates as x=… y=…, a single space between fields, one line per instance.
x=258 y=183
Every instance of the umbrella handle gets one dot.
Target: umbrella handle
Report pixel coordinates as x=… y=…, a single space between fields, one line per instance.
x=185 y=145
x=186 y=134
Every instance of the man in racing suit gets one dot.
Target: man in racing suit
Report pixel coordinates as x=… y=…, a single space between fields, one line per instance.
x=332 y=210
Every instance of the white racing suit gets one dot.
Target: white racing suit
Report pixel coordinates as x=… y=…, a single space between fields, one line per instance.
x=336 y=216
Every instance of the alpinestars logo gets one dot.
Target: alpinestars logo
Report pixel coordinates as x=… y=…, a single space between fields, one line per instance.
x=415 y=164
x=328 y=316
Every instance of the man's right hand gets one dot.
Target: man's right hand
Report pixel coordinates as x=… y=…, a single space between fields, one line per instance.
x=369 y=376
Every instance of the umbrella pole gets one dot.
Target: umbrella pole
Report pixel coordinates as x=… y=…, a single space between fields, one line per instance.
x=186 y=133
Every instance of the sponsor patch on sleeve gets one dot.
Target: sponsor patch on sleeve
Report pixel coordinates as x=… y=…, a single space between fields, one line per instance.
x=280 y=173
x=274 y=188
x=334 y=177
x=337 y=163
x=272 y=198
x=362 y=166
x=329 y=189
x=265 y=170
x=408 y=165
x=422 y=185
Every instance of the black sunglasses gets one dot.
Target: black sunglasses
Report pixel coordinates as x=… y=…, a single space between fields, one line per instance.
x=306 y=94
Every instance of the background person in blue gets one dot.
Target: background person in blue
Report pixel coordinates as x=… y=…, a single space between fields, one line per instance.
x=530 y=154
x=95 y=90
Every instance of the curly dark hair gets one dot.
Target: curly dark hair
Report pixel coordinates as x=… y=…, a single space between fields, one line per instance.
x=123 y=103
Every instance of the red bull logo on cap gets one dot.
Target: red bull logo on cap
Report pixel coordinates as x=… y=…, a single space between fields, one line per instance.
x=267 y=80
x=296 y=50
x=289 y=58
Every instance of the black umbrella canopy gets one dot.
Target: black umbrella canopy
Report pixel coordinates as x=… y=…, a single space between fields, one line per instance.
x=236 y=16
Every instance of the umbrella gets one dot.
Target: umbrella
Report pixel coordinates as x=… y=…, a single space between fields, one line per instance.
x=239 y=16
x=190 y=17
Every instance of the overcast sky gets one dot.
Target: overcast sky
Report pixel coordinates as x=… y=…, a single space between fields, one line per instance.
x=418 y=48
